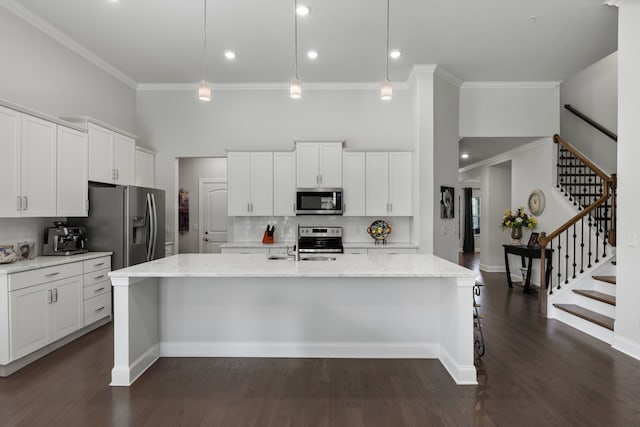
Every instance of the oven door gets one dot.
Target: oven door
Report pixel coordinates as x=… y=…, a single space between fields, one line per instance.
x=319 y=202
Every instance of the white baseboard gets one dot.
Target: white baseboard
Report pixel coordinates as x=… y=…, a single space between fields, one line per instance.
x=626 y=346
x=462 y=375
x=493 y=268
x=303 y=350
x=126 y=375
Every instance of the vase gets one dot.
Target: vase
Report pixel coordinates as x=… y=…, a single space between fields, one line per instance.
x=516 y=235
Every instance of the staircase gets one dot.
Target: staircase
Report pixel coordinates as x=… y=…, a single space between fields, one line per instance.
x=581 y=289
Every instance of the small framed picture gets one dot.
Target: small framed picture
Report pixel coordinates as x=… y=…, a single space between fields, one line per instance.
x=446 y=202
x=533 y=240
x=26 y=250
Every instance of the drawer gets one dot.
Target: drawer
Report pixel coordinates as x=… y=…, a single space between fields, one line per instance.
x=355 y=251
x=245 y=251
x=97 y=264
x=97 y=289
x=43 y=275
x=392 y=251
x=97 y=308
x=96 y=277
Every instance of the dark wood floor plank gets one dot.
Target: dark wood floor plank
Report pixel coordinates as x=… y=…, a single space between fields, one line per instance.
x=535 y=372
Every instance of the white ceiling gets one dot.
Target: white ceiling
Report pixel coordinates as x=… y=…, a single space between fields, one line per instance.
x=160 y=41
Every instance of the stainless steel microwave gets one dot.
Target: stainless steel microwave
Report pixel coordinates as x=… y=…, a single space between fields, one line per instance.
x=319 y=201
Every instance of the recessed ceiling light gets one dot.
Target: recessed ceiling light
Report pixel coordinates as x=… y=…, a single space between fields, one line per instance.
x=312 y=54
x=303 y=10
x=464 y=156
x=395 y=54
x=230 y=54
x=533 y=19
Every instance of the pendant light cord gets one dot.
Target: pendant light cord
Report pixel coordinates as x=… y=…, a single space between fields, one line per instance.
x=204 y=52
x=387 y=53
x=295 y=30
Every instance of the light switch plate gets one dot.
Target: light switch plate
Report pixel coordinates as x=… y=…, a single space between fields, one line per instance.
x=632 y=240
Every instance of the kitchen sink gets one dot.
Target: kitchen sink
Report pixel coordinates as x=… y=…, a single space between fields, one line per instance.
x=282 y=257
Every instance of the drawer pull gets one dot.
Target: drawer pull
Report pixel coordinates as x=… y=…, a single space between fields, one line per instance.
x=52 y=274
x=99 y=290
x=99 y=264
x=98 y=277
x=99 y=309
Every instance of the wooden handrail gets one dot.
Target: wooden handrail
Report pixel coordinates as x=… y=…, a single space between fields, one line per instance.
x=592 y=122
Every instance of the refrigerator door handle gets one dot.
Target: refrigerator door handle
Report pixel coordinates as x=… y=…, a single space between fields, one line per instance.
x=149 y=210
x=155 y=226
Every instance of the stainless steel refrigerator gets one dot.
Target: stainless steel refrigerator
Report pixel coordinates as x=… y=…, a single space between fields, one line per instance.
x=125 y=220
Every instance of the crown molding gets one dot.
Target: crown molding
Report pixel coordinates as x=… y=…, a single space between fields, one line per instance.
x=65 y=40
x=277 y=86
x=448 y=76
x=615 y=3
x=417 y=69
x=512 y=85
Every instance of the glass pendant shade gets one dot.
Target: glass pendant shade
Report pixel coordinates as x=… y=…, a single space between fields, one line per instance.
x=204 y=91
x=386 y=90
x=295 y=89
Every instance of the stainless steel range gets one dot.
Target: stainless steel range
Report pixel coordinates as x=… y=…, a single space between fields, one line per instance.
x=320 y=239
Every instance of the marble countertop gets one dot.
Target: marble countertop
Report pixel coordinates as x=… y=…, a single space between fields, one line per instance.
x=48 y=261
x=366 y=245
x=258 y=265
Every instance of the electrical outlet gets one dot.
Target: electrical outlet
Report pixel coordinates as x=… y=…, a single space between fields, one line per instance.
x=195 y=227
x=444 y=230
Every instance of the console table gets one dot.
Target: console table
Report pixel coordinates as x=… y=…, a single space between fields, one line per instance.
x=526 y=252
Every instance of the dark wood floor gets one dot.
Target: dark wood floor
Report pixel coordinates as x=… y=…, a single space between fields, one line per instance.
x=536 y=372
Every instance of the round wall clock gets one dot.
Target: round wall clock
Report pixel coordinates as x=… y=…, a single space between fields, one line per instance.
x=536 y=202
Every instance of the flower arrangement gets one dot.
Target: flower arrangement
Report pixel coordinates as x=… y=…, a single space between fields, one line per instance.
x=518 y=219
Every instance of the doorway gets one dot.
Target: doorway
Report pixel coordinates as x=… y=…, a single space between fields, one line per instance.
x=213 y=217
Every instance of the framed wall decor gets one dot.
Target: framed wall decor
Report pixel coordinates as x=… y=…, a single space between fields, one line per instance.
x=446 y=202
x=536 y=202
x=26 y=250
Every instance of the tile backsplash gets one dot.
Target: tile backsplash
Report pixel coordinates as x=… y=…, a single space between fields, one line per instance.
x=250 y=229
x=14 y=230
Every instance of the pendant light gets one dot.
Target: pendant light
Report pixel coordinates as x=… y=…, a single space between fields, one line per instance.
x=204 y=90
x=295 y=85
x=386 y=90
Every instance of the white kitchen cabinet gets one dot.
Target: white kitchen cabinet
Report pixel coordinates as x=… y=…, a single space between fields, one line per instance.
x=353 y=188
x=111 y=156
x=10 y=196
x=284 y=183
x=250 y=183
x=72 y=172
x=43 y=313
x=319 y=164
x=392 y=251
x=145 y=168
x=389 y=177
x=245 y=250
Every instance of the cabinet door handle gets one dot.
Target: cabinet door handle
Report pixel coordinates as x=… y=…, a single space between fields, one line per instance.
x=99 y=290
x=52 y=274
x=294 y=207
x=98 y=277
x=98 y=264
x=25 y=204
x=99 y=309
x=248 y=207
x=390 y=207
x=19 y=203
x=55 y=294
x=49 y=296
x=118 y=174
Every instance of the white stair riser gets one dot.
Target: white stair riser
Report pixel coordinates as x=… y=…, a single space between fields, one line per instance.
x=604 y=287
x=603 y=334
x=595 y=305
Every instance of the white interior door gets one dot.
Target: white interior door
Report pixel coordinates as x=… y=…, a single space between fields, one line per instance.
x=213 y=215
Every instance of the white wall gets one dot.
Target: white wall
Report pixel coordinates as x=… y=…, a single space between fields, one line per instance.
x=39 y=73
x=502 y=109
x=446 y=106
x=175 y=124
x=627 y=326
x=14 y=230
x=496 y=192
x=594 y=92
x=191 y=171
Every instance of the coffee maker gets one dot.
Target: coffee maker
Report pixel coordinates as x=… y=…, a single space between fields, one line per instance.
x=64 y=239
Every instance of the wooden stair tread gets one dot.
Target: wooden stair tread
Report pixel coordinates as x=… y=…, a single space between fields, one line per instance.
x=591 y=316
x=598 y=296
x=607 y=279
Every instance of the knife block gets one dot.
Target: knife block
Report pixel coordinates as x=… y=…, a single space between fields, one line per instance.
x=267 y=239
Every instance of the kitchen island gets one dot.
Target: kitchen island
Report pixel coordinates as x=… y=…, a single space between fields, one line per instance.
x=356 y=306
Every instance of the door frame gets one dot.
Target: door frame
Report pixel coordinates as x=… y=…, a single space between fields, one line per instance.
x=201 y=182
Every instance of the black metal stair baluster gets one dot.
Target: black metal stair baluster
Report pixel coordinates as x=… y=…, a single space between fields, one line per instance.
x=566 y=257
x=558 y=169
x=559 y=274
x=550 y=285
x=590 y=253
x=574 y=257
x=582 y=245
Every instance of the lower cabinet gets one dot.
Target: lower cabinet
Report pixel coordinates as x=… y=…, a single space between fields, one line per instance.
x=42 y=310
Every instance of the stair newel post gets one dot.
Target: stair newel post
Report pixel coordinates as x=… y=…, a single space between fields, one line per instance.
x=542 y=295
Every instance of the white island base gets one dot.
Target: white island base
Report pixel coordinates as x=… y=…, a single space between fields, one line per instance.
x=359 y=306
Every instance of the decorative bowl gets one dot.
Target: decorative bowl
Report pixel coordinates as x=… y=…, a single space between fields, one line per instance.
x=379 y=230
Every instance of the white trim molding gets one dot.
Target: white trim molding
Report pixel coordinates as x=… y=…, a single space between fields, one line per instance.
x=62 y=38
x=277 y=86
x=626 y=346
x=614 y=3
x=512 y=85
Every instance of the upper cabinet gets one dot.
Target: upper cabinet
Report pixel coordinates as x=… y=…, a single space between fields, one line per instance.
x=111 y=156
x=28 y=163
x=145 y=167
x=353 y=188
x=389 y=188
x=72 y=174
x=284 y=183
x=250 y=183
x=319 y=164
